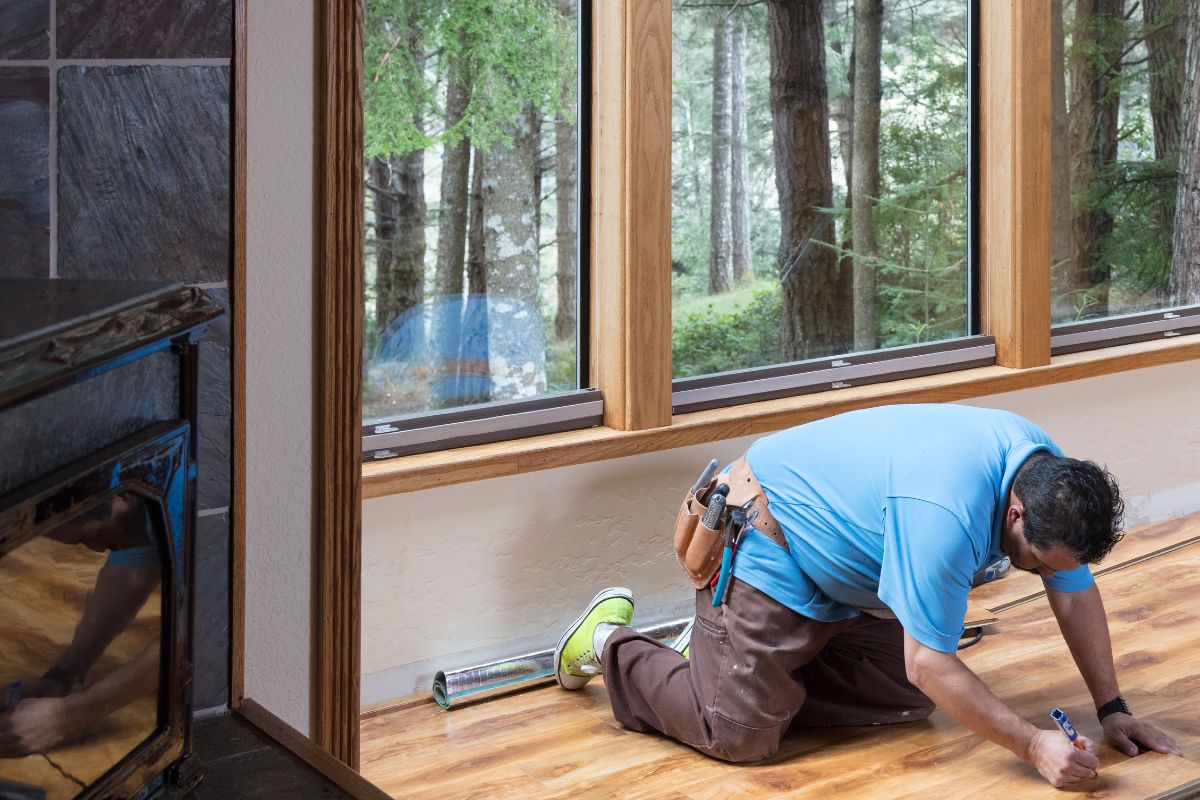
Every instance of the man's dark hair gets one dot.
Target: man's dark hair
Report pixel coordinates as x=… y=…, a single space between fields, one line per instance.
x=1070 y=502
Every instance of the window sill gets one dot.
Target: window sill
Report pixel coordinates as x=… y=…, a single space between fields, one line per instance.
x=446 y=467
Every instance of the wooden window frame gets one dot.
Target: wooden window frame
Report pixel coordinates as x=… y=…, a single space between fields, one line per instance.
x=630 y=295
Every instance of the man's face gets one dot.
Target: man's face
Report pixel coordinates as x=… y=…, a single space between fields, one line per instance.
x=1026 y=556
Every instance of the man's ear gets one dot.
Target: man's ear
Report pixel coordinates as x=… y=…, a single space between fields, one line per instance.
x=1016 y=509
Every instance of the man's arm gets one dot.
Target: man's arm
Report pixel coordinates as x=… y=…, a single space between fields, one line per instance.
x=43 y=723
x=960 y=693
x=119 y=594
x=1084 y=626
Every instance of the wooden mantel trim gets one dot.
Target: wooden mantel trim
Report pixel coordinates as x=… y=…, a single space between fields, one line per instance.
x=412 y=473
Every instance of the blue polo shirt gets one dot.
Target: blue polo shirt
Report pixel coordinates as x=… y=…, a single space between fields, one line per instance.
x=893 y=507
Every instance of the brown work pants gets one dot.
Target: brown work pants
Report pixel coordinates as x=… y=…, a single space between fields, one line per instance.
x=756 y=668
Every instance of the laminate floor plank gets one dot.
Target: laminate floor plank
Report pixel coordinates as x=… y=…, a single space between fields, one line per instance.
x=547 y=743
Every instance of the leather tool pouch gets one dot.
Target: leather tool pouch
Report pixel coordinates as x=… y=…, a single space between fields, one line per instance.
x=698 y=547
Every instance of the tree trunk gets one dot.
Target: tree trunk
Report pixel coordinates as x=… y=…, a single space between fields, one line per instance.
x=474 y=383
x=476 y=275
x=740 y=170
x=447 y=310
x=400 y=230
x=1060 y=168
x=456 y=167
x=566 y=190
x=1185 y=264
x=816 y=309
x=841 y=110
x=720 y=268
x=868 y=93
x=1095 y=100
x=1167 y=49
x=516 y=353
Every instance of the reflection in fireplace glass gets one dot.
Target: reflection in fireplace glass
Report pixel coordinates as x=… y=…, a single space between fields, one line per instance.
x=80 y=623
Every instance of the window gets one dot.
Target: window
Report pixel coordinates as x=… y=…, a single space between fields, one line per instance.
x=1123 y=234
x=474 y=199
x=952 y=262
x=822 y=192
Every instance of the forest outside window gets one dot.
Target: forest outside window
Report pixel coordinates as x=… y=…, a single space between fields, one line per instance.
x=473 y=204
x=822 y=185
x=1126 y=161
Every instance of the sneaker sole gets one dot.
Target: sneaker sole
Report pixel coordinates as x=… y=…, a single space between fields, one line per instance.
x=574 y=681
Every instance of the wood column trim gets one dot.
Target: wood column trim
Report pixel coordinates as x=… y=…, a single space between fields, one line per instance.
x=631 y=211
x=1015 y=126
x=237 y=303
x=339 y=312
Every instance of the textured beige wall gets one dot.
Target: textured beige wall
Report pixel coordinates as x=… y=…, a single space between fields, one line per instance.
x=461 y=574
x=279 y=356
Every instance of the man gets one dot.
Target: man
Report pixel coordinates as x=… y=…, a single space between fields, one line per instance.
x=852 y=613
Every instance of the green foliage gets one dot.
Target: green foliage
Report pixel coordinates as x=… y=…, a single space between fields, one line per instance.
x=513 y=53
x=718 y=338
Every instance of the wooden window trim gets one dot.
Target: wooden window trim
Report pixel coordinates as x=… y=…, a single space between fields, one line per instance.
x=427 y=470
x=337 y=446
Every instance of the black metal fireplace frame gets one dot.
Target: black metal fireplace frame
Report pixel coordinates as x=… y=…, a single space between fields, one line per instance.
x=155 y=465
x=120 y=323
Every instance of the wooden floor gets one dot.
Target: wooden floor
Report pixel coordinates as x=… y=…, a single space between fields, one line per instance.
x=547 y=743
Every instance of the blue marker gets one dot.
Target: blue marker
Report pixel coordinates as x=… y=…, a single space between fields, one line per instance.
x=1064 y=724
x=12 y=696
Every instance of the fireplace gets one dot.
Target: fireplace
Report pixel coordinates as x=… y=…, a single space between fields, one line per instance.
x=97 y=507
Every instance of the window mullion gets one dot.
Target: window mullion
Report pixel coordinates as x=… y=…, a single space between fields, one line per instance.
x=631 y=212
x=1015 y=109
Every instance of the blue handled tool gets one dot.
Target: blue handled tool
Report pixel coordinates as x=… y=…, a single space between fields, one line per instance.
x=733 y=533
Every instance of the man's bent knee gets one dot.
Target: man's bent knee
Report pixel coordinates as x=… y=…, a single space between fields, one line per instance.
x=742 y=744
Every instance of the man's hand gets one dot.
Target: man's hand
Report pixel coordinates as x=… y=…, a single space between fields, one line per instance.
x=1127 y=732
x=1061 y=762
x=34 y=726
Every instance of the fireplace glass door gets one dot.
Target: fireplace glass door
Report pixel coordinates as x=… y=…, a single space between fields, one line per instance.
x=86 y=601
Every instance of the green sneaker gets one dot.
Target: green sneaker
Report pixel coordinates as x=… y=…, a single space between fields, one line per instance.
x=683 y=642
x=575 y=659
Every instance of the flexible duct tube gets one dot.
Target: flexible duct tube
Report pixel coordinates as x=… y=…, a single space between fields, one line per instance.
x=452 y=687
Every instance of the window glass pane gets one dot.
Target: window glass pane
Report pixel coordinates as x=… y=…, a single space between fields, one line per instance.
x=472 y=202
x=780 y=251
x=1122 y=115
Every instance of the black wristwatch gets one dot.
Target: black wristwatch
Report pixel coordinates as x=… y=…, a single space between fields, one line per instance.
x=1112 y=707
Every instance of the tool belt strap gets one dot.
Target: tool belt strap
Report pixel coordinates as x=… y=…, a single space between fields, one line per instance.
x=744 y=487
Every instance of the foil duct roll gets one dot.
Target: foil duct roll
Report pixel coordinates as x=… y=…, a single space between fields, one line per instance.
x=453 y=687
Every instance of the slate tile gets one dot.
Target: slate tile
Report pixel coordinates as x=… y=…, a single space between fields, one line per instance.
x=24 y=172
x=211 y=614
x=144 y=173
x=225 y=736
x=24 y=29
x=145 y=28
x=265 y=775
x=215 y=421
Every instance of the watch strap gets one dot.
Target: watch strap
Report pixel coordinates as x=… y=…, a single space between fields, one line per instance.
x=1113 y=706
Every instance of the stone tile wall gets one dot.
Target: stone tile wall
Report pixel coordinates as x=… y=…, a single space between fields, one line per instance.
x=115 y=162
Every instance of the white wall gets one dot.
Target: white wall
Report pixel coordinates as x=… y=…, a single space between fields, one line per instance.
x=279 y=344
x=461 y=574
